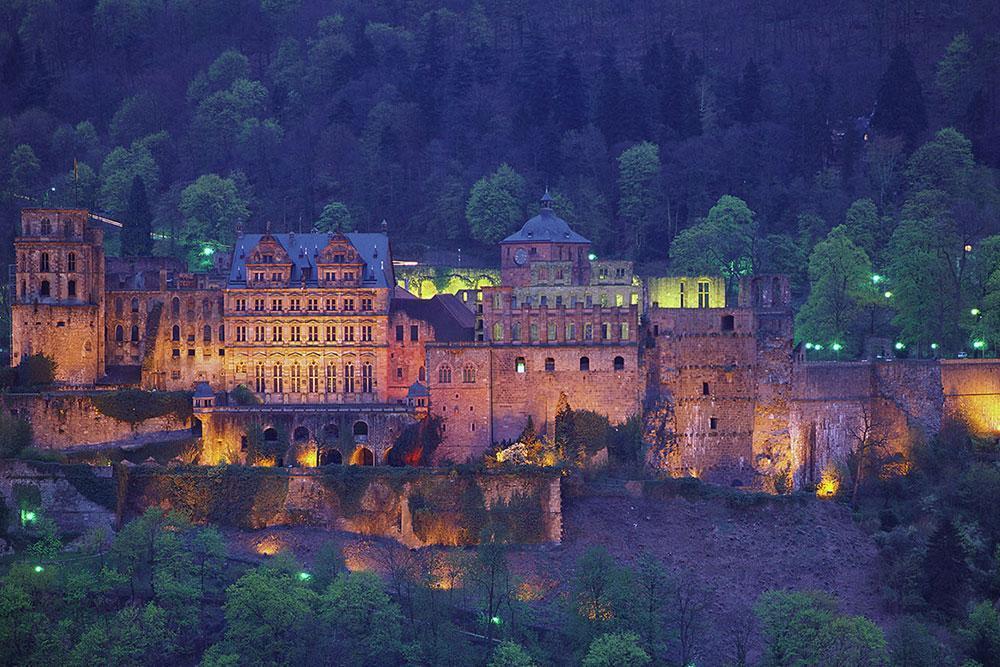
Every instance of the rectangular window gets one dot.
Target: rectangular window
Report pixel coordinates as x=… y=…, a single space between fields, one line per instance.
x=619 y=300
x=313 y=333
x=312 y=304
x=258 y=304
x=277 y=304
x=330 y=304
x=571 y=331
x=497 y=302
x=348 y=304
x=296 y=333
x=552 y=332
x=240 y=305
x=414 y=332
x=331 y=379
x=703 y=294
x=623 y=334
x=588 y=331
x=276 y=334
x=683 y=296
x=366 y=333
x=605 y=331
x=258 y=276
x=241 y=334
x=295 y=305
x=258 y=334
x=713 y=423
x=331 y=333
x=366 y=305
x=533 y=329
x=331 y=276
x=399 y=333
x=349 y=334
x=348 y=378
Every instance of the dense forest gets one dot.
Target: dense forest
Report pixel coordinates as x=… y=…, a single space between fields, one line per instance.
x=835 y=142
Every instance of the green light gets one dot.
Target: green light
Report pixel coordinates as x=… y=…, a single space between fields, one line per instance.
x=304 y=576
x=836 y=347
x=934 y=346
x=591 y=257
x=809 y=346
x=39 y=569
x=899 y=345
x=496 y=620
x=28 y=516
x=208 y=251
x=888 y=294
x=979 y=344
x=817 y=346
x=876 y=278
x=975 y=312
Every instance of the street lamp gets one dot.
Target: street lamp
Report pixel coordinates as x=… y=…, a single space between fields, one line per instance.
x=899 y=345
x=975 y=312
x=887 y=294
x=876 y=278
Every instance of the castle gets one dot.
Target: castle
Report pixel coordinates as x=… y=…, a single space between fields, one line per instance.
x=341 y=359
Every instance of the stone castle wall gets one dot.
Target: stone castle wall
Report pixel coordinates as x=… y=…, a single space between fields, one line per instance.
x=418 y=507
x=67 y=420
x=77 y=497
x=971 y=389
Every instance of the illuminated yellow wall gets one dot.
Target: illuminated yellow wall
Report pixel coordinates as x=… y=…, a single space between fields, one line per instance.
x=424 y=282
x=666 y=291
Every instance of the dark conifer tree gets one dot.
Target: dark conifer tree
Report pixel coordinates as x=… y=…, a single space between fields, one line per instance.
x=945 y=571
x=137 y=238
x=748 y=97
x=609 y=103
x=569 y=94
x=899 y=108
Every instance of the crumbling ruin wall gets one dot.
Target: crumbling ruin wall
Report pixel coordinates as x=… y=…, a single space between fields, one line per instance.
x=67 y=420
x=77 y=498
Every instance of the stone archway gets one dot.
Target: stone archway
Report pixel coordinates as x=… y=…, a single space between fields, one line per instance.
x=362 y=456
x=300 y=434
x=328 y=457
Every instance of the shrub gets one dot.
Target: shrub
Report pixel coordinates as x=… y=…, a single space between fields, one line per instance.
x=15 y=434
x=135 y=405
x=242 y=395
x=35 y=370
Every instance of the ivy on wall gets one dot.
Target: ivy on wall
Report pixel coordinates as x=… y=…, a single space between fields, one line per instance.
x=135 y=405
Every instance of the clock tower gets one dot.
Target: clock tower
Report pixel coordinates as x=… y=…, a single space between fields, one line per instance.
x=547 y=240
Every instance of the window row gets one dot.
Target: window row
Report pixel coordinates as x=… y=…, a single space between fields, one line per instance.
x=445 y=374
x=45 y=263
x=605 y=331
x=573 y=301
x=310 y=304
x=521 y=365
x=175 y=307
x=704 y=294
x=315 y=379
x=350 y=333
x=45 y=289
x=206 y=334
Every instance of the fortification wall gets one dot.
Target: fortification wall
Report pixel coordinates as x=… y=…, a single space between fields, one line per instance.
x=418 y=507
x=971 y=389
x=67 y=334
x=67 y=420
x=77 y=497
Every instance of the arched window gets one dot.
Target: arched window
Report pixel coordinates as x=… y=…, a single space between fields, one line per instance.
x=422 y=374
x=206 y=308
x=584 y=363
x=135 y=333
x=313 y=377
x=278 y=379
x=498 y=331
x=550 y=364
x=206 y=334
x=46 y=227
x=46 y=289
x=119 y=334
x=469 y=373
x=296 y=378
x=367 y=380
x=71 y=288
x=175 y=307
x=175 y=333
x=71 y=262
x=360 y=429
x=300 y=434
x=44 y=262
x=135 y=305
x=619 y=363
x=270 y=434
x=444 y=374
x=68 y=229
x=515 y=331
x=331 y=432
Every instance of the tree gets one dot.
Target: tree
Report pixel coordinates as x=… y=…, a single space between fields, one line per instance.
x=24 y=170
x=639 y=192
x=655 y=590
x=15 y=434
x=981 y=634
x=945 y=570
x=36 y=370
x=954 y=79
x=852 y=641
x=364 y=621
x=616 y=650
x=840 y=282
x=509 y=654
x=602 y=595
x=912 y=644
x=899 y=107
x=120 y=168
x=335 y=218
x=865 y=227
x=137 y=235
x=212 y=208
x=722 y=243
x=126 y=22
x=495 y=205
x=792 y=623
x=609 y=99
x=134 y=636
x=748 y=108
x=569 y=94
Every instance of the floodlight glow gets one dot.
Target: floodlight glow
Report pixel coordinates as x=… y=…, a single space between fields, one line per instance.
x=899 y=345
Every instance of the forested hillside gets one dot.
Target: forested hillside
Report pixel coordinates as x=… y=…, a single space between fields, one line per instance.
x=690 y=136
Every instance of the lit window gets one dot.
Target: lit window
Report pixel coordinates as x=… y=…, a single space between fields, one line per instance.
x=519 y=365
x=703 y=295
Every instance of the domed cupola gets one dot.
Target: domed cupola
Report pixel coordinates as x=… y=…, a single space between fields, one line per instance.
x=546 y=227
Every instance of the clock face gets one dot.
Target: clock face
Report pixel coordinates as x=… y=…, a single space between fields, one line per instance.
x=520 y=256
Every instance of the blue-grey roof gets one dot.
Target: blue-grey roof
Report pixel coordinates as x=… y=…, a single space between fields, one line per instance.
x=203 y=390
x=303 y=248
x=546 y=226
x=418 y=389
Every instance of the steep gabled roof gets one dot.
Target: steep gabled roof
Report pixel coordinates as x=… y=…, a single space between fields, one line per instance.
x=452 y=321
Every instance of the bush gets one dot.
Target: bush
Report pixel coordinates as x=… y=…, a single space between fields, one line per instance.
x=35 y=370
x=242 y=395
x=15 y=435
x=135 y=405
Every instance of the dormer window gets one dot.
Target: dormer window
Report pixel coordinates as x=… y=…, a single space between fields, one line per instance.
x=331 y=276
x=338 y=259
x=46 y=227
x=267 y=259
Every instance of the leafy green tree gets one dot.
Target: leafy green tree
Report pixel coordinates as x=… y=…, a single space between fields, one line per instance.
x=793 y=623
x=212 y=208
x=15 y=434
x=269 y=616
x=853 y=641
x=616 y=650
x=138 y=116
x=866 y=228
x=945 y=163
x=495 y=206
x=364 y=621
x=639 y=193
x=722 y=243
x=655 y=590
x=981 y=634
x=137 y=235
x=840 y=283
x=36 y=370
x=330 y=54
x=222 y=115
x=602 y=596
x=335 y=218
x=899 y=107
x=120 y=168
x=134 y=636
x=509 y=654
x=229 y=67
x=125 y=22
x=955 y=77
x=24 y=169
x=912 y=644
